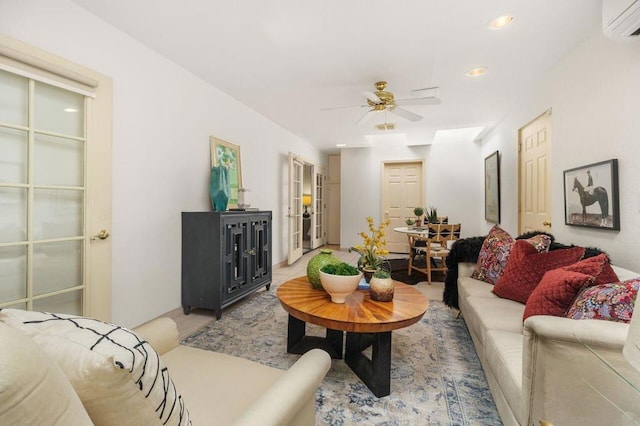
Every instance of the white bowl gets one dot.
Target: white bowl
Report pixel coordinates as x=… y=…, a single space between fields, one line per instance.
x=339 y=287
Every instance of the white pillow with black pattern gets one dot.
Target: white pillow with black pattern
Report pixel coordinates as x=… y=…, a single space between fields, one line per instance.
x=119 y=377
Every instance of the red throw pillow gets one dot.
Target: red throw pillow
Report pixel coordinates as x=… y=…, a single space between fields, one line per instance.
x=597 y=266
x=526 y=267
x=555 y=292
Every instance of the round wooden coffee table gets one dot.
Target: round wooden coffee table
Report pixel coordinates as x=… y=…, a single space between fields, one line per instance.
x=366 y=322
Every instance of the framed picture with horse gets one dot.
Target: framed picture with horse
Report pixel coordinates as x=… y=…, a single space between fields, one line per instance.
x=591 y=196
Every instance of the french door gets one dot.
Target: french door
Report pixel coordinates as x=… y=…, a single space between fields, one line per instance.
x=50 y=201
x=318 y=221
x=296 y=177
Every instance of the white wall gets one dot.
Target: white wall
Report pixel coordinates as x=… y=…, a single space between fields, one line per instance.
x=594 y=94
x=162 y=119
x=450 y=182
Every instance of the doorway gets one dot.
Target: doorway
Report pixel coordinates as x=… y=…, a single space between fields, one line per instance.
x=401 y=191
x=307 y=207
x=534 y=163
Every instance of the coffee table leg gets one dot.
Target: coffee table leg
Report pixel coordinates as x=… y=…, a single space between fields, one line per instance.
x=299 y=343
x=375 y=373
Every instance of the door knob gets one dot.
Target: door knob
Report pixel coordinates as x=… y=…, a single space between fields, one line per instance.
x=102 y=235
x=546 y=223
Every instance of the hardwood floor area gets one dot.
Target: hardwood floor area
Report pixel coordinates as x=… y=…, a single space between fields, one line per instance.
x=187 y=324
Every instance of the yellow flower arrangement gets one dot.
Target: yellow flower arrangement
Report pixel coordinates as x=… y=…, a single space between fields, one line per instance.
x=372 y=252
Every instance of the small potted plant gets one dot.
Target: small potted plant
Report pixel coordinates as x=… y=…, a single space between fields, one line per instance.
x=418 y=211
x=372 y=250
x=381 y=286
x=409 y=222
x=432 y=217
x=340 y=280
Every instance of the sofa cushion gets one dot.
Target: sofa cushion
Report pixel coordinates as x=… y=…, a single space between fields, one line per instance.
x=503 y=354
x=495 y=252
x=119 y=378
x=527 y=266
x=33 y=390
x=483 y=314
x=612 y=302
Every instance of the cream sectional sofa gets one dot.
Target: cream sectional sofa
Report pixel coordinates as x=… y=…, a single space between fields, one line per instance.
x=543 y=369
x=48 y=378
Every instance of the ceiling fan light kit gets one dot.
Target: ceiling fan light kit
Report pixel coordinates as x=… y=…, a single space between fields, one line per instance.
x=501 y=22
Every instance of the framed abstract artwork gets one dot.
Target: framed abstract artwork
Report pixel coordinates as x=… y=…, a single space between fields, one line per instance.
x=591 y=196
x=492 y=188
x=226 y=154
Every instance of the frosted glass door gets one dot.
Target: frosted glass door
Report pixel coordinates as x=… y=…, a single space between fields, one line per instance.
x=42 y=196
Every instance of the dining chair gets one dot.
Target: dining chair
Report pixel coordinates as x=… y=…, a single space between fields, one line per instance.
x=433 y=246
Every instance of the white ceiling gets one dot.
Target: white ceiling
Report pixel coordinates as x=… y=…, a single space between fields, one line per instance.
x=289 y=59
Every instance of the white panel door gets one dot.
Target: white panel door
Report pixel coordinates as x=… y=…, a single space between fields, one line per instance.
x=401 y=192
x=296 y=176
x=535 y=175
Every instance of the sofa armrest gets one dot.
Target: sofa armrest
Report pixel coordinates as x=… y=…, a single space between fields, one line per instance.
x=563 y=382
x=289 y=395
x=161 y=333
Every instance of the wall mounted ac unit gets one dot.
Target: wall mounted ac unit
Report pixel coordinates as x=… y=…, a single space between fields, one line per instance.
x=621 y=18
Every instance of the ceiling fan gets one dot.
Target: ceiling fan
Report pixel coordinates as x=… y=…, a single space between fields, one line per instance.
x=382 y=100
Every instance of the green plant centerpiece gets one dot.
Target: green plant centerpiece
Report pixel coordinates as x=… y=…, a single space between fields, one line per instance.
x=340 y=280
x=409 y=222
x=372 y=250
x=341 y=268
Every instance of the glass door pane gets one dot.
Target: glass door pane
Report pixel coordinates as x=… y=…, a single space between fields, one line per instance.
x=42 y=196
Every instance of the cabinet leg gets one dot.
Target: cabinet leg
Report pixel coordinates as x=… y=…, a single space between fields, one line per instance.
x=186 y=309
x=268 y=286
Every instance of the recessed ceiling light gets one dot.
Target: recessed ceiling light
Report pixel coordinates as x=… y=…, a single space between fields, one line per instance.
x=70 y=110
x=341 y=145
x=501 y=22
x=475 y=72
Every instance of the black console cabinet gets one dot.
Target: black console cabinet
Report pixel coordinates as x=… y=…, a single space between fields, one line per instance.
x=225 y=256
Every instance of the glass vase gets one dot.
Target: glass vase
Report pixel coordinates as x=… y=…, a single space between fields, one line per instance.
x=219 y=188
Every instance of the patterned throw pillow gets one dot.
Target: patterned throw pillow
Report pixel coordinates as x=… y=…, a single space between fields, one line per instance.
x=558 y=288
x=612 y=302
x=118 y=376
x=527 y=266
x=495 y=252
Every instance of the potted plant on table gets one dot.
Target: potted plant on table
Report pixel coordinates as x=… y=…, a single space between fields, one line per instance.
x=418 y=211
x=381 y=286
x=432 y=217
x=372 y=252
x=340 y=280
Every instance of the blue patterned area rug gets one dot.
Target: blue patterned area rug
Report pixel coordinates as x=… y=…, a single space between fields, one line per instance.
x=436 y=377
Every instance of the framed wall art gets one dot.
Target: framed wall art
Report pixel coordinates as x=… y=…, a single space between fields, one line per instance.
x=492 y=188
x=226 y=154
x=591 y=196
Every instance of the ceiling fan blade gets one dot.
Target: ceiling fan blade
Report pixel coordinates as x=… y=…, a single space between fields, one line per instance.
x=362 y=118
x=406 y=114
x=372 y=97
x=344 y=107
x=431 y=100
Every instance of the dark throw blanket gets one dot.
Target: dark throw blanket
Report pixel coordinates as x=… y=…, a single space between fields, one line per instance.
x=468 y=249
